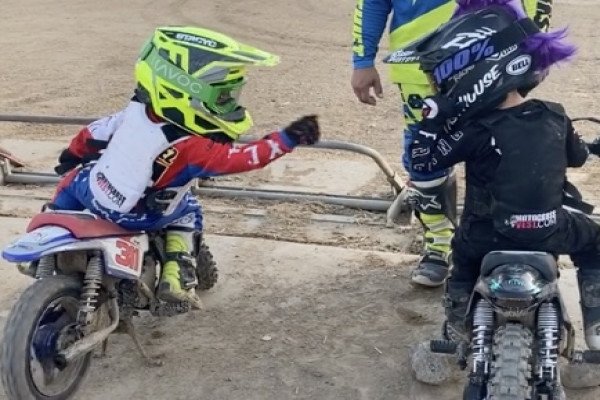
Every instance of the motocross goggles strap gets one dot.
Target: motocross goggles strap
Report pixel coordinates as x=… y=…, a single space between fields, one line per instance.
x=514 y=34
x=219 y=98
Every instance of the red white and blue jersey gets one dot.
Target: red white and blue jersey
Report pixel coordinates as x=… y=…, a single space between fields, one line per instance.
x=145 y=154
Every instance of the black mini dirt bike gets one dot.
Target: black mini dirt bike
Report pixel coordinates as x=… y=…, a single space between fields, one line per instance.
x=520 y=328
x=92 y=278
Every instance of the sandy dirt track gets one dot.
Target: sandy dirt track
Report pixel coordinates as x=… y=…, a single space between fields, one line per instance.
x=334 y=298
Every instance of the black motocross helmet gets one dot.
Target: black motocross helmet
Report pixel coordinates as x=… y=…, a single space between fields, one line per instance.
x=476 y=58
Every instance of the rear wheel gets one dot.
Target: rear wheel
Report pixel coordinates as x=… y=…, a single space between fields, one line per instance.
x=511 y=369
x=206 y=268
x=40 y=324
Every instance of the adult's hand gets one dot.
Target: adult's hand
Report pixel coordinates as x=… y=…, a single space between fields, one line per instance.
x=366 y=83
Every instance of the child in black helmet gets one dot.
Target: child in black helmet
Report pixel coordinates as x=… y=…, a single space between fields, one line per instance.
x=516 y=151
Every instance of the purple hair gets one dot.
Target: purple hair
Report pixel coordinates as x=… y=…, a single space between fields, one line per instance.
x=546 y=48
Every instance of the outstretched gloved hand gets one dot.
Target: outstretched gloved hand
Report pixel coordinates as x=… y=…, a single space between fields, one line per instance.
x=304 y=130
x=594 y=146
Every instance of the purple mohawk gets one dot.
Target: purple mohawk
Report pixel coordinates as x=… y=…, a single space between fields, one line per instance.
x=546 y=48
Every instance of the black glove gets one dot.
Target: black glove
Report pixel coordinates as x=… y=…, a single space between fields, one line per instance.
x=594 y=146
x=437 y=110
x=304 y=130
x=67 y=161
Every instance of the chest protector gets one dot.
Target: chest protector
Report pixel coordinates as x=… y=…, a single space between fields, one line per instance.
x=121 y=175
x=527 y=189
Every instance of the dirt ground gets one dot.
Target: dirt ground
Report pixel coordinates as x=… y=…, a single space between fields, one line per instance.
x=308 y=306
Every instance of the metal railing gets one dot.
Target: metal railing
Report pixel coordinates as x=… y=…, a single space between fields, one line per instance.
x=393 y=207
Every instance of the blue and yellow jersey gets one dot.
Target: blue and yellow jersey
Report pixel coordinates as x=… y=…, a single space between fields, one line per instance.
x=410 y=20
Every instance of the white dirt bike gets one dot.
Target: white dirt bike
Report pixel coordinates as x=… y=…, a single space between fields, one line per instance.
x=92 y=277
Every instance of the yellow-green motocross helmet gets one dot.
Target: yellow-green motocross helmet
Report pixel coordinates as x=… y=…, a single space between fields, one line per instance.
x=193 y=78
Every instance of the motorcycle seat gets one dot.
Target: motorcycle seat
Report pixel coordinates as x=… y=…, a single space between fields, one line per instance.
x=81 y=224
x=545 y=263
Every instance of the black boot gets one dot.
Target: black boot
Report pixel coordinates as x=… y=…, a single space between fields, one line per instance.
x=589 y=292
x=456 y=303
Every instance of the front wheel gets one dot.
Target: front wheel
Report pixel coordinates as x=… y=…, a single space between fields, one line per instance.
x=510 y=377
x=40 y=324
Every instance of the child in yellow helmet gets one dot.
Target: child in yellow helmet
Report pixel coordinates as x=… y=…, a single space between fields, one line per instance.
x=135 y=167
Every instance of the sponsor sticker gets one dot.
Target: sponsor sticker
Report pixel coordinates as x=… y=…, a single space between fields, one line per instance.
x=480 y=86
x=519 y=65
x=402 y=56
x=533 y=221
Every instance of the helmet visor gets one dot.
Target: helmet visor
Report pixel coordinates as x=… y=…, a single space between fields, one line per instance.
x=227 y=96
x=221 y=99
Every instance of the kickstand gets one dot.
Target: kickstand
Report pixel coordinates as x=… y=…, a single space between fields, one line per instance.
x=130 y=329
x=104 y=347
x=103 y=350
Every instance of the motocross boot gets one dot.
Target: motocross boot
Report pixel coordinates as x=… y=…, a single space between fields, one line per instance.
x=589 y=292
x=178 y=279
x=456 y=304
x=435 y=207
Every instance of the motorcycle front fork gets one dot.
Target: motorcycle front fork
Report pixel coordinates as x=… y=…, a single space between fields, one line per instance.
x=548 y=339
x=481 y=348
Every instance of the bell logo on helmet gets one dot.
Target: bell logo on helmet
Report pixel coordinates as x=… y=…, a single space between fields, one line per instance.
x=519 y=65
x=479 y=88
